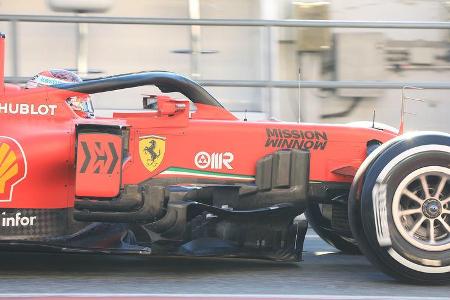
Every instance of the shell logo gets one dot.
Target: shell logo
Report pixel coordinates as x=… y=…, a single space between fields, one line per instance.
x=13 y=167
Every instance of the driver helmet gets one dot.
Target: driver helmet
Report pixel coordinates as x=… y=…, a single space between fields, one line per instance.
x=52 y=77
x=81 y=105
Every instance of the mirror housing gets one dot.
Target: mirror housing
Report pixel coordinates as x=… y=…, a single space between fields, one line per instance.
x=150 y=102
x=169 y=107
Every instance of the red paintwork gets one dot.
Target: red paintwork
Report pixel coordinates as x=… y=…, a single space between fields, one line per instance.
x=49 y=143
x=99 y=174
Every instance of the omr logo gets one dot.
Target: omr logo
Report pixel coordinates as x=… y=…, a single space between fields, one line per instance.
x=215 y=161
x=13 y=167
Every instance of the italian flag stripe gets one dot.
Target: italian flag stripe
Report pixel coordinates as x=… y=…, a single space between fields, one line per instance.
x=206 y=174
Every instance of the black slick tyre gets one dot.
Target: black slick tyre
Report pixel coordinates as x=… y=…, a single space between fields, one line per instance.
x=400 y=209
x=323 y=228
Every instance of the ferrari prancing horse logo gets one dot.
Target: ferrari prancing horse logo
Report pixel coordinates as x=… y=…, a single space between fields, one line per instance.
x=151 y=151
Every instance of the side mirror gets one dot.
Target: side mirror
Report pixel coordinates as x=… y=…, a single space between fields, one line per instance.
x=150 y=102
x=165 y=106
x=170 y=108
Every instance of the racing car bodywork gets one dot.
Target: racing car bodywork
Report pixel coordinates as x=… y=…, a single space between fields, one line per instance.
x=186 y=177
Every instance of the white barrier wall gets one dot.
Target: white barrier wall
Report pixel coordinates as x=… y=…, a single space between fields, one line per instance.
x=241 y=53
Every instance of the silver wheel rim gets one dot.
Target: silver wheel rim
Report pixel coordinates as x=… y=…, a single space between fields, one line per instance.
x=421 y=208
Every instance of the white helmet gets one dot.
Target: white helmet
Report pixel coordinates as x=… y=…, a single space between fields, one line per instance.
x=81 y=105
x=52 y=77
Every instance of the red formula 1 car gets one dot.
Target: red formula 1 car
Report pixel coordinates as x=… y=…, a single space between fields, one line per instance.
x=188 y=178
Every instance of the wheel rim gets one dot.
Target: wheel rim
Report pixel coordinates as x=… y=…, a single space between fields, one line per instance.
x=421 y=208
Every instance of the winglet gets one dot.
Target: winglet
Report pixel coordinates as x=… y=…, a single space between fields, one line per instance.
x=402 y=112
x=403 y=106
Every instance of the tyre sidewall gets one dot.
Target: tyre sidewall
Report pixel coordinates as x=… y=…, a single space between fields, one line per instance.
x=415 y=162
x=382 y=255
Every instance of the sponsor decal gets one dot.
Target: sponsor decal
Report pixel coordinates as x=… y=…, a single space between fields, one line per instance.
x=46 y=80
x=296 y=139
x=151 y=151
x=379 y=196
x=98 y=164
x=99 y=158
x=215 y=161
x=28 y=109
x=16 y=220
x=13 y=167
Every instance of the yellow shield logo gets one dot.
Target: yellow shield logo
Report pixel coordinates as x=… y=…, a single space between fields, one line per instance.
x=13 y=167
x=151 y=151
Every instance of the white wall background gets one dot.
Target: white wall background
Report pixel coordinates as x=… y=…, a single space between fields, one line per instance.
x=241 y=54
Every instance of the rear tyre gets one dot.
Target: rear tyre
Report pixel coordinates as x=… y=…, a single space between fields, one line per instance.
x=401 y=214
x=322 y=226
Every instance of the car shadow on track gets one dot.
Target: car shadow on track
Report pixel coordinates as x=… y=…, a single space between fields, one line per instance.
x=320 y=263
x=321 y=271
x=20 y=262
